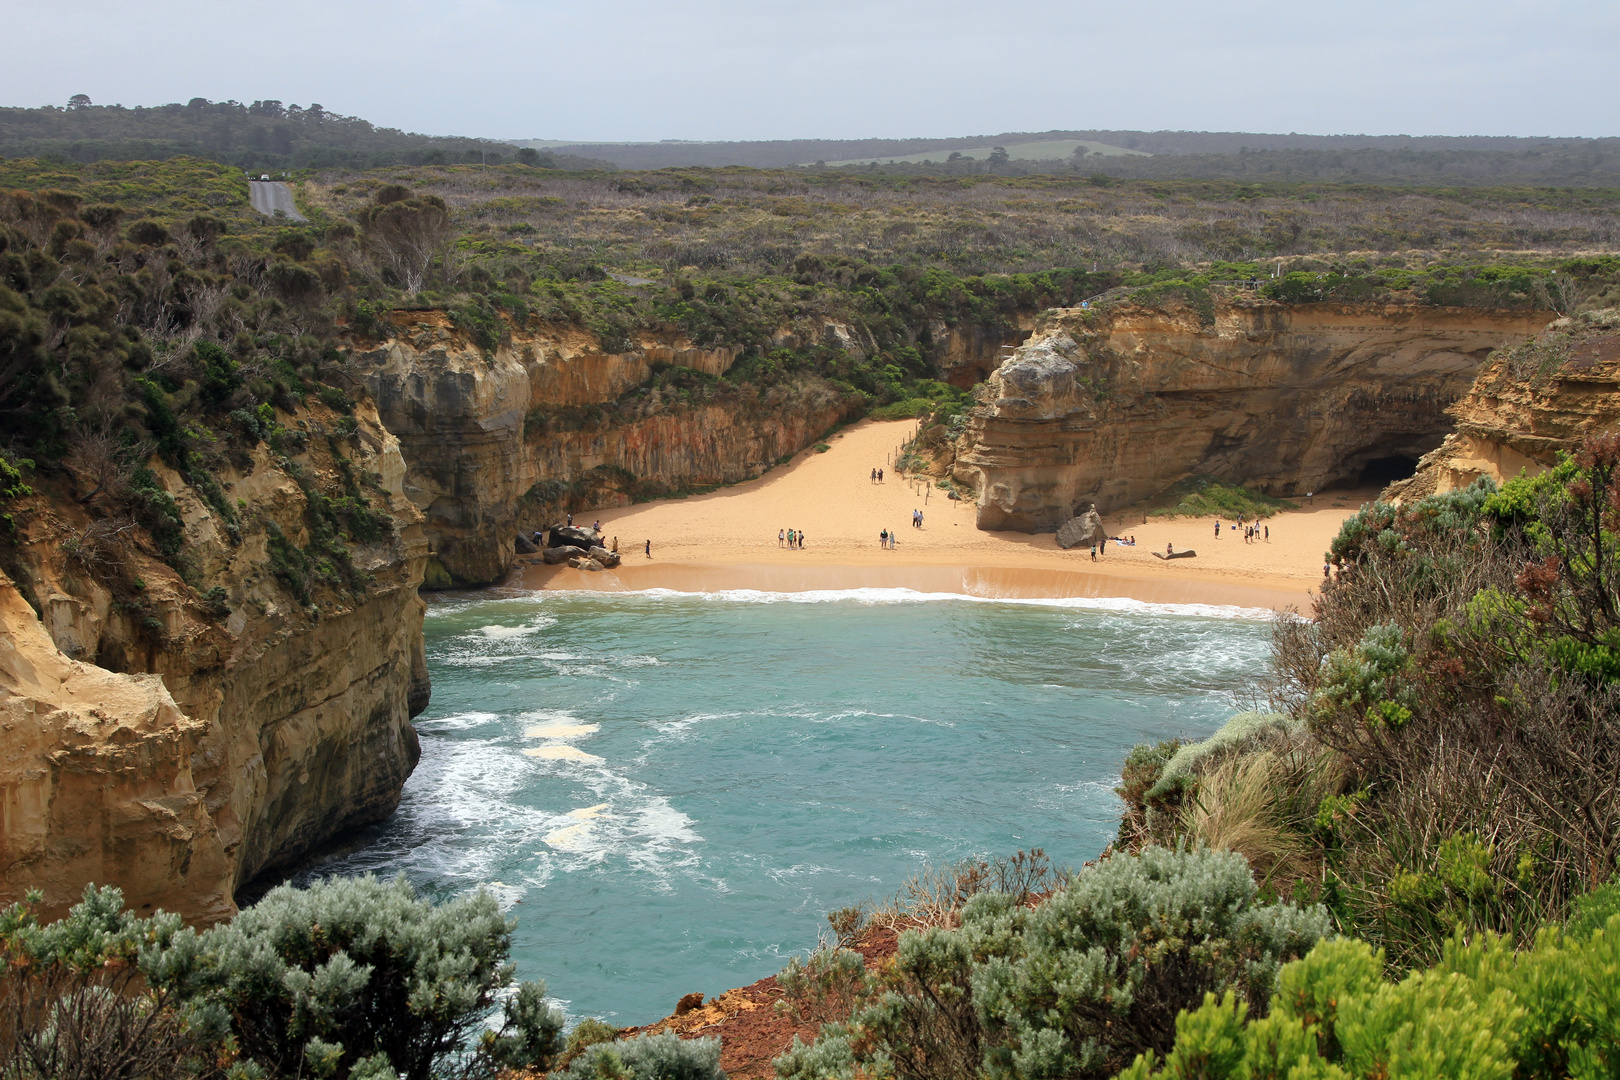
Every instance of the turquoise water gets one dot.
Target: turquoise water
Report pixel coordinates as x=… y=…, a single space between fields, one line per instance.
x=722 y=770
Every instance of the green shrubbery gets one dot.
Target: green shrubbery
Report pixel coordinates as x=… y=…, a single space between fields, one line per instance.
x=1205 y=496
x=1551 y=1011
x=350 y=979
x=666 y=1056
x=1074 y=986
x=1453 y=721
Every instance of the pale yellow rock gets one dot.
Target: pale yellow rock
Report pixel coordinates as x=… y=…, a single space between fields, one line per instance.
x=1523 y=410
x=177 y=752
x=1114 y=405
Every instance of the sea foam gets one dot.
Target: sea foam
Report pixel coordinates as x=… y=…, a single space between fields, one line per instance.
x=1122 y=604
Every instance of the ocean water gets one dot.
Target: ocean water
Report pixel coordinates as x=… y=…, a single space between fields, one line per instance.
x=668 y=791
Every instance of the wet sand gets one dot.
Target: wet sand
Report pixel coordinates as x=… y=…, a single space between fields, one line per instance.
x=728 y=540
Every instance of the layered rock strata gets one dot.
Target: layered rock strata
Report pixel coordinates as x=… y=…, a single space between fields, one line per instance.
x=178 y=744
x=1112 y=405
x=1527 y=405
x=492 y=437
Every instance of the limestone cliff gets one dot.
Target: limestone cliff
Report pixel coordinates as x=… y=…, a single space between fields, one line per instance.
x=1113 y=404
x=176 y=736
x=494 y=438
x=1527 y=404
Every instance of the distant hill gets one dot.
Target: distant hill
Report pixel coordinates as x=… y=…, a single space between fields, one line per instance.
x=1461 y=159
x=262 y=135
x=1041 y=150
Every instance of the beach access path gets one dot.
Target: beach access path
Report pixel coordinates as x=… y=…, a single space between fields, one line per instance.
x=728 y=540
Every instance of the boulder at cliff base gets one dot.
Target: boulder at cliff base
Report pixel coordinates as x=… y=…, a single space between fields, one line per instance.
x=1082 y=531
x=575 y=536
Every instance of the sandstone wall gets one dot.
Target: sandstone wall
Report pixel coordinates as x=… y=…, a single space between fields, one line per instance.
x=1112 y=405
x=176 y=745
x=1527 y=405
x=482 y=430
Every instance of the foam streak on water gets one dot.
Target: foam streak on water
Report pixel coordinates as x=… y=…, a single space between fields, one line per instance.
x=667 y=790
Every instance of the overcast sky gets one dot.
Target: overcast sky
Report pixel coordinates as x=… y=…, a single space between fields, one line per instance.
x=722 y=69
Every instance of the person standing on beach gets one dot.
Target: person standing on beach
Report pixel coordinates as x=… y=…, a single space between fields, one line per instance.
x=873 y=478
x=1093 y=552
x=1268 y=534
x=880 y=476
x=649 y=549
x=570 y=521
x=780 y=536
x=801 y=539
x=1217 y=528
x=790 y=538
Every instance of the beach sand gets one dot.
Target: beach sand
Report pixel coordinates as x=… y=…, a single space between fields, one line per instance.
x=728 y=540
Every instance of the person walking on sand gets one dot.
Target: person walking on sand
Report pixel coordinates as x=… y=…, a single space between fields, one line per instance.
x=801 y=539
x=1093 y=552
x=1268 y=534
x=1217 y=528
x=880 y=476
x=873 y=477
x=649 y=549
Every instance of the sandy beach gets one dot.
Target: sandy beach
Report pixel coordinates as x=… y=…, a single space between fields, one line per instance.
x=728 y=540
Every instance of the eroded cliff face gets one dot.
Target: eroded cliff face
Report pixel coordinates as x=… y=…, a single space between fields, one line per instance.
x=1112 y=405
x=176 y=741
x=1528 y=404
x=494 y=438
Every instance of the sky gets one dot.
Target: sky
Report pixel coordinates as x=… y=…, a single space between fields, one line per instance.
x=644 y=70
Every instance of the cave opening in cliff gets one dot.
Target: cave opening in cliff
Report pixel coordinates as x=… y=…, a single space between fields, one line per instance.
x=1387 y=470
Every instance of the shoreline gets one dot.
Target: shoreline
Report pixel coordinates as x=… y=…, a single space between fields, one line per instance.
x=984 y=583
x=728 y=540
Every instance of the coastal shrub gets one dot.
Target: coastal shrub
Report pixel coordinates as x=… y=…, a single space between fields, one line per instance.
x=1482 y=1011
x=1205 y=496
x=936 y=895
x=665 y=1056
x=77 y=1001
x=346 y=970
x=1453 y=721
x=1075 y=985
x=586 y=1034
x=1144 y=766
x=1244 y=728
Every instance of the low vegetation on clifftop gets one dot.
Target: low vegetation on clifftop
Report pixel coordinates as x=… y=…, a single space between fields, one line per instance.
x=1398 y=863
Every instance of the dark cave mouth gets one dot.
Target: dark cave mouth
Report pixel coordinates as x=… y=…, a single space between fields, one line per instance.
x=1386 y=470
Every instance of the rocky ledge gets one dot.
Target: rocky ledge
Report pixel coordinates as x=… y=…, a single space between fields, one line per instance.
x=1112 y=405
x=1529 y=403
x=177 y=735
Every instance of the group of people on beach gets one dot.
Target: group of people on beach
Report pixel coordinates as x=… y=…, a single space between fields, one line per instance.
x=877 y=476
x=793 y=538
x=1102 y=549
x=1254 y=533
x=888 y=538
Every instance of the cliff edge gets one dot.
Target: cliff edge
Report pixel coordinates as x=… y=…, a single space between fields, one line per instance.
x=501 y=437
x=188 y=707
x=1528 y=403
x=1112 y=404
